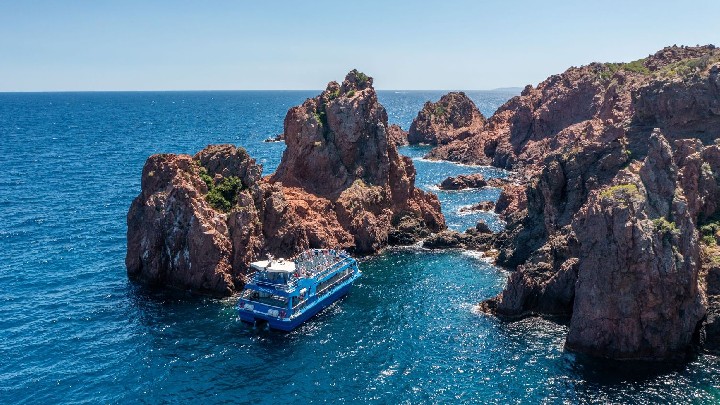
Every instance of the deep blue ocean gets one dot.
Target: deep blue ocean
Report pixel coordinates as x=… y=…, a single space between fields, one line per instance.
x=73 y=329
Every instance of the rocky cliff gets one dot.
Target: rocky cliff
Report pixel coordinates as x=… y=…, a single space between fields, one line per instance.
x=675 y=89
x=618 y=174
x=397 y=135
x=199 y=221
x=453 y=117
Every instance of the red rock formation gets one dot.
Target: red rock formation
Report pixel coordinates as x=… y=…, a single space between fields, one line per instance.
x=453 y=117
x=608 y=234
x=338 y=149
x=199 y=221
x=599 y=102
x=512 y=199
x=637 y=293
x=473 y=238
x=175 y=237
x=463 y=181
x=397 y=135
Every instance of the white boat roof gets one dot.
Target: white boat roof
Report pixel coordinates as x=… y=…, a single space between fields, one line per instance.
x=275 y=266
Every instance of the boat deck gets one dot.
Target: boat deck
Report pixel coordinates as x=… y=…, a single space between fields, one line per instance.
x=311 y=264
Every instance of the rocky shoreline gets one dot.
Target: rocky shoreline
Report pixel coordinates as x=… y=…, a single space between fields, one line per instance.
x=612 y=214
x=614 y=197
x=200 y=220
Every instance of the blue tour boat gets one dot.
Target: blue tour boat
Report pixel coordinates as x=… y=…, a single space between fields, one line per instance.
x=286 y=293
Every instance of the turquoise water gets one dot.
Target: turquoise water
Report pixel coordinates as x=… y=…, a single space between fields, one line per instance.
x=74 y=330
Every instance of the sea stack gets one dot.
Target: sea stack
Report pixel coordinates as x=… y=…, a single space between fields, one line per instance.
x=453 y=117
x=199 y=221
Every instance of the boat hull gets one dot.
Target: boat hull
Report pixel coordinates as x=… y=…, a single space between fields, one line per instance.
x=288 y=324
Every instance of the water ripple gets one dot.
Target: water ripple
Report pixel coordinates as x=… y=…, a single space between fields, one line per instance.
x=74 y=330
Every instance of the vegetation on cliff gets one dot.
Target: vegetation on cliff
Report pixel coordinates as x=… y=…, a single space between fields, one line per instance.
x=610 y=237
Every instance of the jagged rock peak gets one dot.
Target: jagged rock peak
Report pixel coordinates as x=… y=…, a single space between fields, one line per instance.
x=336 y=138
x=673 y=54
x=454 y=117
x=356 y=80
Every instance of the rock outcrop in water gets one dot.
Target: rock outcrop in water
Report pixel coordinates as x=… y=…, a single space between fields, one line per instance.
x=176 y=235
x=453 y=117
x=463 y=181
x=481 y=206
x=472 y=238
x=200 y=220
x=618 y=170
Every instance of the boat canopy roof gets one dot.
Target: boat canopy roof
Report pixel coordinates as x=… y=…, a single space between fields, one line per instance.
x=275 y=266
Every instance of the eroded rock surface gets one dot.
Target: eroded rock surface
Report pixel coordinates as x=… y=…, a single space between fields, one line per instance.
x=637 y=293
x=200 y=220
x=397 y=135
x=600 y=101
x=473 y=238
x=453 y=117
x=175 y=236
x=618 y=172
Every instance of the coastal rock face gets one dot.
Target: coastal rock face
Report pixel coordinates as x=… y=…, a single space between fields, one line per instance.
x=463 y=181
x=598 y=101
x=626 y=267
x=512 y=199
x=397 y=135
x=338 y=148
x=200 y=220
x=453 y=117
x=637 y=293
x=175 y=236
x=618 y=172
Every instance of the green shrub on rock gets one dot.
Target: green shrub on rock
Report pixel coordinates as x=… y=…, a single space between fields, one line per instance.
x=223 y=195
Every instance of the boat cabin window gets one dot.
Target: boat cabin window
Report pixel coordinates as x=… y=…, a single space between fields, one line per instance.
x=275 y=277
x=265 y=298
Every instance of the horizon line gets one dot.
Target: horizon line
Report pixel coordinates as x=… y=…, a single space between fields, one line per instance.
x=506 y=88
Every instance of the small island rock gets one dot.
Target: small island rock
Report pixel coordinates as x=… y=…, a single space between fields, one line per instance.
x=463 y=181
x=453 y=117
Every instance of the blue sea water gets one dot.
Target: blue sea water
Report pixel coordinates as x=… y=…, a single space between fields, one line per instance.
x=73 y=329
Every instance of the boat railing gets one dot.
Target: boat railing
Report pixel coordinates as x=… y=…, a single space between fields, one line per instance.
x=302 y=304
x=255 y=278
x=335 y=283
x=332 y=268
x=289 y=286
x=299 y=306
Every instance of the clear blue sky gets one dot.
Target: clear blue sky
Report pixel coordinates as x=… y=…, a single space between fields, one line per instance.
x=173 y=45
